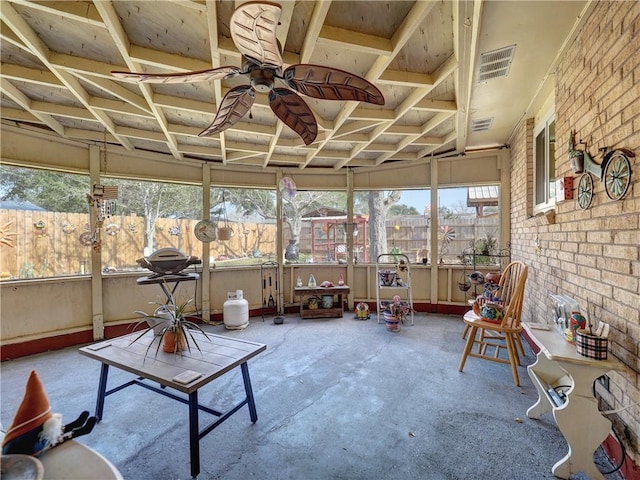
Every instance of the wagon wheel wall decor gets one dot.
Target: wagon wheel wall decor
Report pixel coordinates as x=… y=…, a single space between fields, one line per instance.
x=616 y=173
x=585 y=191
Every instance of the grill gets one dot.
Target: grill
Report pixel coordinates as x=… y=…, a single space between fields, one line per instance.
x=167 y=261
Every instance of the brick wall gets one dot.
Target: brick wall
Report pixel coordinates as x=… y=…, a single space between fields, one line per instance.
x=595 y=253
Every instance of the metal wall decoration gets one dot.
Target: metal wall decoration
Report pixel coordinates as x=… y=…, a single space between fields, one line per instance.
x=614 y=172
x=112 y=229
x=68 y=228
x=40 y=228
x=7 y=238
x=175 y=230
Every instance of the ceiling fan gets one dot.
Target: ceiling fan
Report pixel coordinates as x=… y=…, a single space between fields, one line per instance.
x=253 y=29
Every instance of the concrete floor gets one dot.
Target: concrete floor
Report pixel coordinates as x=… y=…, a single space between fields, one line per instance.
x=336 y=399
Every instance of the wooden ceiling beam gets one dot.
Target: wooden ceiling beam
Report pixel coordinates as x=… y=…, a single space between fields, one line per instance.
x=121 y=41
x=401 y=36
x=21 y=99
x=38 y=48
x=436 y=105
x=167 y=62
x=350 y=40
x=29 y=75
x=83 y=12
x=318 y=16
x=405 y=79
x=58 y=110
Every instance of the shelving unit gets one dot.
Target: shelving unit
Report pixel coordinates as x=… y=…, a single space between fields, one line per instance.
x=337 y=308
x=399 y=264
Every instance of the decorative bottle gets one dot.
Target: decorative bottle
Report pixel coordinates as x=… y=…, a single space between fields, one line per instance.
x=312 y=281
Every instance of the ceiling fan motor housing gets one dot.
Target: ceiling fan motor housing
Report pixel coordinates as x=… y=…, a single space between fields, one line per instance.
x=262 y=80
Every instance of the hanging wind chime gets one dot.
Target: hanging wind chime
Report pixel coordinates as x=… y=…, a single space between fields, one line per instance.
x=102 y=200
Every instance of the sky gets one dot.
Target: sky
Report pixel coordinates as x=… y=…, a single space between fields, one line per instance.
x=448 y=197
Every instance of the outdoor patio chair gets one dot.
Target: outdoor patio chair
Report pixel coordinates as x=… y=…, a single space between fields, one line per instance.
x=491 y=336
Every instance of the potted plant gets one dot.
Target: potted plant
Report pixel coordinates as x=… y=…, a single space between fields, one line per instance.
x=173 y=331
x=395 y=312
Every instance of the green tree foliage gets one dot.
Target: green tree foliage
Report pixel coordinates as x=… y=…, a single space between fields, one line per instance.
x=53 y=191
x=401 y=209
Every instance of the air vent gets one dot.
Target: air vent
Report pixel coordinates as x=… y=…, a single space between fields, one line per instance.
x=496 y=64
x=481 y=125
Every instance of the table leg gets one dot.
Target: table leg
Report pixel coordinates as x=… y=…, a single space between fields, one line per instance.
x=194 y=434
x=102 y=388
x=249 y=391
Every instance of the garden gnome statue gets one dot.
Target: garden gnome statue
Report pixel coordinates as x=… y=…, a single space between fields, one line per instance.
x=34 y=428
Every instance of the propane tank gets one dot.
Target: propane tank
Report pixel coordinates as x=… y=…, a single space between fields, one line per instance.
x=235 y=311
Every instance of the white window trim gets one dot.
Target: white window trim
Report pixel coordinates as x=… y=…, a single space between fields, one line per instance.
x=543 y=123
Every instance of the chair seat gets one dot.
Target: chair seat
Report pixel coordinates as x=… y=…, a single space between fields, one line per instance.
x=470 y=318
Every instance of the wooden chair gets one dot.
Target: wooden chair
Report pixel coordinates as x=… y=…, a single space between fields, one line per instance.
x=490 y=337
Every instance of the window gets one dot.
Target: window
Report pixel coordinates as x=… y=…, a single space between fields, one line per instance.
x=545 y=164
x=44 y=219
x=315 y=227
x=148 y=216
x=250 y=213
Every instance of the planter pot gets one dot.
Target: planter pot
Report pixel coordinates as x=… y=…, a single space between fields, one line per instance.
x=576 y=160
x=392 y=322
x=492 y=277
x=225 y=233
x=392 y=326
x=291 y=252
x=169 y=344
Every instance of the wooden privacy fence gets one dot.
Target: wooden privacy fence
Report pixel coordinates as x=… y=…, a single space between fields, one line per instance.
x=46 y=244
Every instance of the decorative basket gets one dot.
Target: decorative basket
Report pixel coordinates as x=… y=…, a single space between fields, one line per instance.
x=591 y=346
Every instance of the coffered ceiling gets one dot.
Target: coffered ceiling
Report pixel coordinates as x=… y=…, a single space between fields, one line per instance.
x=424 y=56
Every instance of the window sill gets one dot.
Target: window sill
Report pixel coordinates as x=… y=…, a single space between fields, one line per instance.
x=548 y=217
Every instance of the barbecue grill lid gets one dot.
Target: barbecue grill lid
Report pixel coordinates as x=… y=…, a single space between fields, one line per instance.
x=167 y=261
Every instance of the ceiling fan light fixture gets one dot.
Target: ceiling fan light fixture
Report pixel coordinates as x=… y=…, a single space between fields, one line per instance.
x=262 y=80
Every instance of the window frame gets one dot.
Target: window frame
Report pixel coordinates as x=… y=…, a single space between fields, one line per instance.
x=547 y=176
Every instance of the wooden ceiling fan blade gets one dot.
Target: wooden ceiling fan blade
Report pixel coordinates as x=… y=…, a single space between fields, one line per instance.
x=331 y=84
x=235 y=105
x=294 y=113
x=220 y=73
x=253 y=30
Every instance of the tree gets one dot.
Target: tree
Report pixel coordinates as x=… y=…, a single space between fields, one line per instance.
x=53 y=191
x=402 y=209
x=379 y=204
x=152 y=200
x=262 y=202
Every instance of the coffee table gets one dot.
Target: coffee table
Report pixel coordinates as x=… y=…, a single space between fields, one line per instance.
x=217 y=356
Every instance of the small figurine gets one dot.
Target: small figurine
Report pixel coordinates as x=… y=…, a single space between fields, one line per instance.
x=312 y=281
